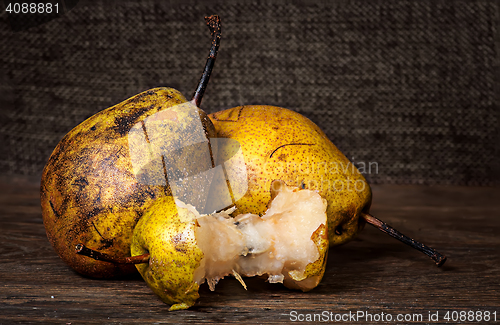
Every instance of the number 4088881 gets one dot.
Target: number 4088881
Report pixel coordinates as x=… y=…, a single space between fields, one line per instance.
x=32 y=8
x=470 y=316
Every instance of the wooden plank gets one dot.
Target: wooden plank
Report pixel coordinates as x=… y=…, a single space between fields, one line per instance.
x=373 y=274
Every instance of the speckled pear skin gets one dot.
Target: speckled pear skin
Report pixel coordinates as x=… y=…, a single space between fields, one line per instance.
x=281 y=144
x=168 y=234
x=91 y=193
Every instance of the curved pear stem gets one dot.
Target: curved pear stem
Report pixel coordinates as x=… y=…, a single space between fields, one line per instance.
x=213 y=23
x=84 y=250
x=382 y=226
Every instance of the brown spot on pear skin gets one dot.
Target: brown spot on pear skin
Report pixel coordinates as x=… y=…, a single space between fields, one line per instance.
x=54 y=210
x=276 y=186
x=81 y=182
x=105 y=243
x=179 y=243
x=290 y=144
x=232 y=115
x=124 y=123
x=348 y=214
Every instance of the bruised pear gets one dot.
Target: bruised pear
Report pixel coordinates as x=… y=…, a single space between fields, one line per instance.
x=101 y=176
x=288 y=244
x=278 y=143
x=105 y=172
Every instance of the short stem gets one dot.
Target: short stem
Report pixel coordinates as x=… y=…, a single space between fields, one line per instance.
x=83 y=250
x=214 y=24
x=382 y=226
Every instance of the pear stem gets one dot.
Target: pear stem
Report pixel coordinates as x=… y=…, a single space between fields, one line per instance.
x=382 y=226
x=214 y=24
x=85 y=251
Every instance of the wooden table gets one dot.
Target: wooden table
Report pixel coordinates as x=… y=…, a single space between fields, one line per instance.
x=375 y=274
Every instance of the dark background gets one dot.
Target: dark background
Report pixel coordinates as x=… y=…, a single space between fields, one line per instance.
x=410 y=85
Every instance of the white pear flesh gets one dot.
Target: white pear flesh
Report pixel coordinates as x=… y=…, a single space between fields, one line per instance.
x=279 y=244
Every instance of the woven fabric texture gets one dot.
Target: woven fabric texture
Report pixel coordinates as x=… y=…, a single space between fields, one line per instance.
x=405 y=87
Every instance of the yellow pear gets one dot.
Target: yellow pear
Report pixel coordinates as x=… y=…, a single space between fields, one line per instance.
x=278 y=143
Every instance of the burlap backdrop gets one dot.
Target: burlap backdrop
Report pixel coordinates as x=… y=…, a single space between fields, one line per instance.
x=409 y=85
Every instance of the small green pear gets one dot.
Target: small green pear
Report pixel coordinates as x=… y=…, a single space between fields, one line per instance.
x=289 y=244
x=167 y=233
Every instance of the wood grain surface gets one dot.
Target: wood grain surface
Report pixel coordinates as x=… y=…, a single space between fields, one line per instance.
x=373 y=274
